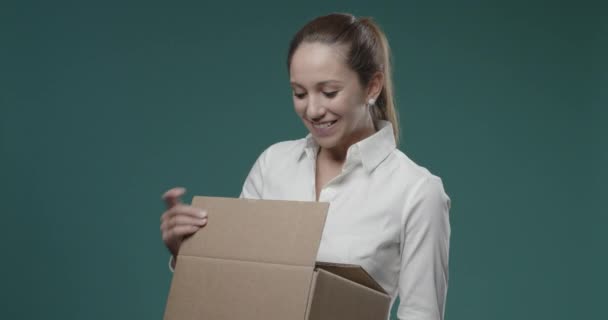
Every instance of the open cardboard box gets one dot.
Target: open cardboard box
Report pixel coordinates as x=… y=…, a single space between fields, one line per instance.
x=255 y=260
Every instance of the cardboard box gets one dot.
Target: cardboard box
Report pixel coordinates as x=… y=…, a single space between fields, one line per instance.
x=255 y=260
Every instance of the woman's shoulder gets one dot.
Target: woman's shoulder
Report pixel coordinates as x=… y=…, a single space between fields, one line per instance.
x=414 y=172
x=420 y=182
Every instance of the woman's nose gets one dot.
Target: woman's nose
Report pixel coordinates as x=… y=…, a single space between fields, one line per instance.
x=314 y=110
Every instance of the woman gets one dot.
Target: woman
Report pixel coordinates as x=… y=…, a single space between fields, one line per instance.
x=386 y=213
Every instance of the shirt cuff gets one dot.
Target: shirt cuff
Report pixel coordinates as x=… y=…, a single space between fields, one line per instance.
x=171 y=262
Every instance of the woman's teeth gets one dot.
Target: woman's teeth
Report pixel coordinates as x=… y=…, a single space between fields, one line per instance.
x=323 y=124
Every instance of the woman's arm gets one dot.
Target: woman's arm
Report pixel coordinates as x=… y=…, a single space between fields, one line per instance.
x=423 y=279
x=254 y=184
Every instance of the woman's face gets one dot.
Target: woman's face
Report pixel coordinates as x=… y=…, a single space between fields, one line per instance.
x=328 y=96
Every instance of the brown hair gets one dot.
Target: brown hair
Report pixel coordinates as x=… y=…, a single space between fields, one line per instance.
x=368 y=54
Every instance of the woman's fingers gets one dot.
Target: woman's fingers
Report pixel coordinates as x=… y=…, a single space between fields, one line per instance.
x=186 y=210
x=181 y=220
x=172 y=196
x=179 y=232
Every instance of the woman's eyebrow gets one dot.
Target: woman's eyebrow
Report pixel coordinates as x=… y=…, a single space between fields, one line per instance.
x=318 y=84
x=322 y=83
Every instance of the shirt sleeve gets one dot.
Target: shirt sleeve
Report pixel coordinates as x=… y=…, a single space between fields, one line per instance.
x=423 y=279
x=254 y=183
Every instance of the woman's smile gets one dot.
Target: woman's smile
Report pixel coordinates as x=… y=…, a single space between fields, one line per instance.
x=323 y=129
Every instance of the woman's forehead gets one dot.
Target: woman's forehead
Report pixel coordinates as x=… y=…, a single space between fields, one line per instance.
x=316 y=62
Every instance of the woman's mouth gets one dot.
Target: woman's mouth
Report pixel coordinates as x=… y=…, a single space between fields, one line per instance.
x=324 y=125
x=323 y=129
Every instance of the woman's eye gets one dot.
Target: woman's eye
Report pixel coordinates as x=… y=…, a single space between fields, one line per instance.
x=299 y=95
x=330 y=94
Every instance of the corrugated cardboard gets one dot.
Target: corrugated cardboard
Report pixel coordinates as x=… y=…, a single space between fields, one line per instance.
x=255 y=260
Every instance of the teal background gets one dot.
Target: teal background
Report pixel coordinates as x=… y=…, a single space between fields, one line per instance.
x=103 y=106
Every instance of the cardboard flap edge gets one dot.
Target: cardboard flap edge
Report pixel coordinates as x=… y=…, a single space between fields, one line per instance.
x=351 y=272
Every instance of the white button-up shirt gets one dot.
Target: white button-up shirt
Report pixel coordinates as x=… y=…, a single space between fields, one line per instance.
x=386 y=213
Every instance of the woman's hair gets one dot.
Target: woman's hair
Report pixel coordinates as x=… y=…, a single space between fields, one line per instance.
x=368 y=54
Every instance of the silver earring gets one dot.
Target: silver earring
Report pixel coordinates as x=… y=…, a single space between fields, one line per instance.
x=371 y=102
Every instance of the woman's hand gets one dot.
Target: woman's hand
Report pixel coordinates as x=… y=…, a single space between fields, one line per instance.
x=180 y=220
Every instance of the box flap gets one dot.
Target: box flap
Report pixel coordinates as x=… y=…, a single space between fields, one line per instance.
x=337 y=298
x=352 y=272
x=271 y=231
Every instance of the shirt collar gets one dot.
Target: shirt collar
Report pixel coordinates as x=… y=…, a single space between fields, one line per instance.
x=370 y=151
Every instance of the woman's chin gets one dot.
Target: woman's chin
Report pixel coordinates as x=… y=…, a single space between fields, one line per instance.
x=326 y=142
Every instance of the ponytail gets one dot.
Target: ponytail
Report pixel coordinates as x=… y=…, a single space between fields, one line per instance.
x=385 y=104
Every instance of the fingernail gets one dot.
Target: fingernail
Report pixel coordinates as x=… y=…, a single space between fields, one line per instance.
x=203 y=214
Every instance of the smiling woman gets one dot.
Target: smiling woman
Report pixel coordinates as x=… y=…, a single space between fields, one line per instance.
x=349 y=57
x=329 y=97
x=386 y=213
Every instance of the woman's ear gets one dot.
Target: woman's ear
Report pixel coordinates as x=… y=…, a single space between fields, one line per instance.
x=375 y=86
